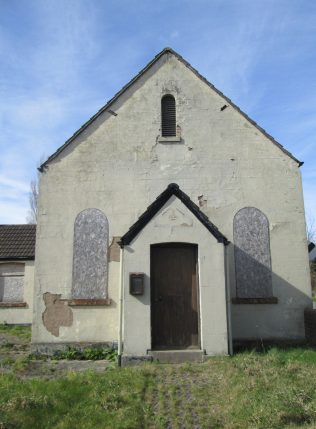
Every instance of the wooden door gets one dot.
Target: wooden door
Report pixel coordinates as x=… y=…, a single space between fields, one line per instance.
x=174 y=301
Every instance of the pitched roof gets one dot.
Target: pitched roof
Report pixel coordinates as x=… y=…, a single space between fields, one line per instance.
x=172 y=189
x=138 y=76
x=17 y=241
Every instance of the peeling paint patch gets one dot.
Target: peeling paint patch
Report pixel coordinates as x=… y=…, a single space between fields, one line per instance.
x=56 y=314
x=114 y=250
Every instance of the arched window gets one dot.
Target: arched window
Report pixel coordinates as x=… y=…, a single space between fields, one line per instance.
x=168 y=116
x=91 y=232
x=252 y=254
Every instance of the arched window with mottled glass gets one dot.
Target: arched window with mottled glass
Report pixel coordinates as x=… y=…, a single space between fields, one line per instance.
x=90 y=265
x=252 y=254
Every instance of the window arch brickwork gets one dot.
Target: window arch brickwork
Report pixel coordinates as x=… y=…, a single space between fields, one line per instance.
x=252 y=254
x=90 y=265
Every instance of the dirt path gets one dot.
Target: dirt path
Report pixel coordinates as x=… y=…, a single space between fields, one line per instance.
x=173 y=400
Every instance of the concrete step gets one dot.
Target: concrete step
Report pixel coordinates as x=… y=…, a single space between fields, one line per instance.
x=176 y=356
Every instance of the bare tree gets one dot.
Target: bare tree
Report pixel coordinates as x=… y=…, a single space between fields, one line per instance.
x=311 y=229
x=33 y=199
x=33 y=196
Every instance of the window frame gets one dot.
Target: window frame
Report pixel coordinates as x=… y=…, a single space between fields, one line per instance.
x=8 y=274
x=167 y=122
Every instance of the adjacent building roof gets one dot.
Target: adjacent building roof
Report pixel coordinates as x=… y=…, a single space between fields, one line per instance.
x=312 y=251
x=172 y=189
x=138 y=76
x=17 y=242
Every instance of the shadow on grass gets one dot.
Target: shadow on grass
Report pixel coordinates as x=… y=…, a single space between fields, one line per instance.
x=260 y=346
x=281 y=354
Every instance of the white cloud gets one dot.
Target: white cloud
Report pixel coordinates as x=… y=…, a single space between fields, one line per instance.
x=12 y=212
x=14 y=184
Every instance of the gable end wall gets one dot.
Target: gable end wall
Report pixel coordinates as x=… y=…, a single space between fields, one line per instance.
x=119 y=166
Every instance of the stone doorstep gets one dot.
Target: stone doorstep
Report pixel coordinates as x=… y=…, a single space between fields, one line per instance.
x=177 y=356
x=164 y=356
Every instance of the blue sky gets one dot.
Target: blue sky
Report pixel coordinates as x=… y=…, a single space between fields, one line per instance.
x=60 y=61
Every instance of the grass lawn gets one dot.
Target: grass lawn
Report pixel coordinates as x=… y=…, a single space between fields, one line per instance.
x=21 y=332
x=276 y=389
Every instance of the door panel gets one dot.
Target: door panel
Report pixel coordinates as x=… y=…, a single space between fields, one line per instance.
x=174 y=309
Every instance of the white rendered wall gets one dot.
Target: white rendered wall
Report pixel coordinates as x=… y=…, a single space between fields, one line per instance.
x=119 y=166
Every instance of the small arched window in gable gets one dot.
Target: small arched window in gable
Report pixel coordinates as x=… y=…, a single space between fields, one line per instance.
x=168 y=116
x=252 y=254
x=90 y=265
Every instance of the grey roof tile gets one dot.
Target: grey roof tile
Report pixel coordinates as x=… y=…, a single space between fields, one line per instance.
x=17 y=241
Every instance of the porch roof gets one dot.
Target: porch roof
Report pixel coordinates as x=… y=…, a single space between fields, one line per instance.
x=172 y=189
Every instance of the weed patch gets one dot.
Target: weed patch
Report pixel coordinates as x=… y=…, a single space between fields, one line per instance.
x=22 y=332
x=88 y=353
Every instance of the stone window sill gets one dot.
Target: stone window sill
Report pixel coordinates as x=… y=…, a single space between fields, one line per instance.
x=267 y=300
x=175 y=139
x=89 y=302
x=12 y=304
